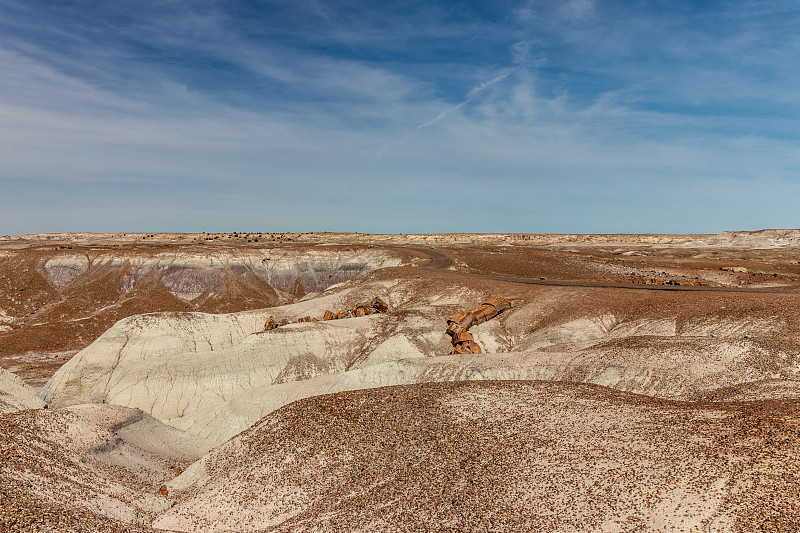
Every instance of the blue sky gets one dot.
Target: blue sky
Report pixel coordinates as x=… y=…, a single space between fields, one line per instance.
x=506 y=116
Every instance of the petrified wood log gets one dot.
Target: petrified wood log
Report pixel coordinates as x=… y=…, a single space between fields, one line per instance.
x=460 y=322
x=376 y=306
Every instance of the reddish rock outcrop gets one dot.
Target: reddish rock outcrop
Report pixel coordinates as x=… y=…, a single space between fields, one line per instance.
x=459 y=323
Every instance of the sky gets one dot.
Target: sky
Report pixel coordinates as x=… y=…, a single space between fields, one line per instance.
x=529 y=116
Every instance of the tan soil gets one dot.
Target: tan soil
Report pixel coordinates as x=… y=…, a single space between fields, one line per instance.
x=480 y=456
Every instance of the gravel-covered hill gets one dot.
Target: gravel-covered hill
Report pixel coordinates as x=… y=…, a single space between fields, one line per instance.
x=501 y=456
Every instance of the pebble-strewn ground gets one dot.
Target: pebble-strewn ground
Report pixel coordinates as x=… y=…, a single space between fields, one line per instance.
x=504 y=456
x=41 y=487
x=20 y=512
x=474 y=456
x=88 y=468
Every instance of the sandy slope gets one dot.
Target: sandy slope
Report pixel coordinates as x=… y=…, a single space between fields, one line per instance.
x=15 y=395
x=501 y=456
x=89 y=467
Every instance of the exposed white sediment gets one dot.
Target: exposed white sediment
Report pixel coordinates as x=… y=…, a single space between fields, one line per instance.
x=15 y=395
x=190 y=275
x=215 y=375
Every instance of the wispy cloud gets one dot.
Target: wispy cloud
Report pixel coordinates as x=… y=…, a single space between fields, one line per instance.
x=565 y=116
x=474 y=93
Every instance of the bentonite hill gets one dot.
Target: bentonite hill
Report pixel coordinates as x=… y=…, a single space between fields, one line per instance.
x=350 y=382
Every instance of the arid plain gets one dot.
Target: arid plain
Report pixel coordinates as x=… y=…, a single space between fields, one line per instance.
x=631 y=383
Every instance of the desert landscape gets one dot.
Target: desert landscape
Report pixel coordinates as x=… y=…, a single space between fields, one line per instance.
x=263 y=381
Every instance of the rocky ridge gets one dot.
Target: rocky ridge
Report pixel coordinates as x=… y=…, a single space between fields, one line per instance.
x=190 y=275
x=754 y=239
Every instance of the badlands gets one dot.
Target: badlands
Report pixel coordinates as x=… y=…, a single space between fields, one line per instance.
x=638 y=383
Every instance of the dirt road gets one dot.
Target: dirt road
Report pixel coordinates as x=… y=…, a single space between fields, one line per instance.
x=440 y=262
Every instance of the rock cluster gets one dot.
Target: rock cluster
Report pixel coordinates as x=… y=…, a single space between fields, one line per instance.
x=377 y=306
x=644 y=280
x=737 y=269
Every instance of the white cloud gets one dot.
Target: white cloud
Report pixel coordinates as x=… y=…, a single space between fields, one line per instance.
x=340 y=131
x=576 y=10
x=472 y=95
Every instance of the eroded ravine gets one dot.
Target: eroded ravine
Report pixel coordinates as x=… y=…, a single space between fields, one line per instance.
x=62 y=300
x=217 y=374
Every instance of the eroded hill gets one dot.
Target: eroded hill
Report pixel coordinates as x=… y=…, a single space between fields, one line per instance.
x=55 y=299
x=603 y=399
x=500 y=456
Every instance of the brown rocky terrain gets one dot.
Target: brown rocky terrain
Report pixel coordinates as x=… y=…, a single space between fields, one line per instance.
x=502 y=456
x=639 y=382
x=57 y=296
x=87 y=468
